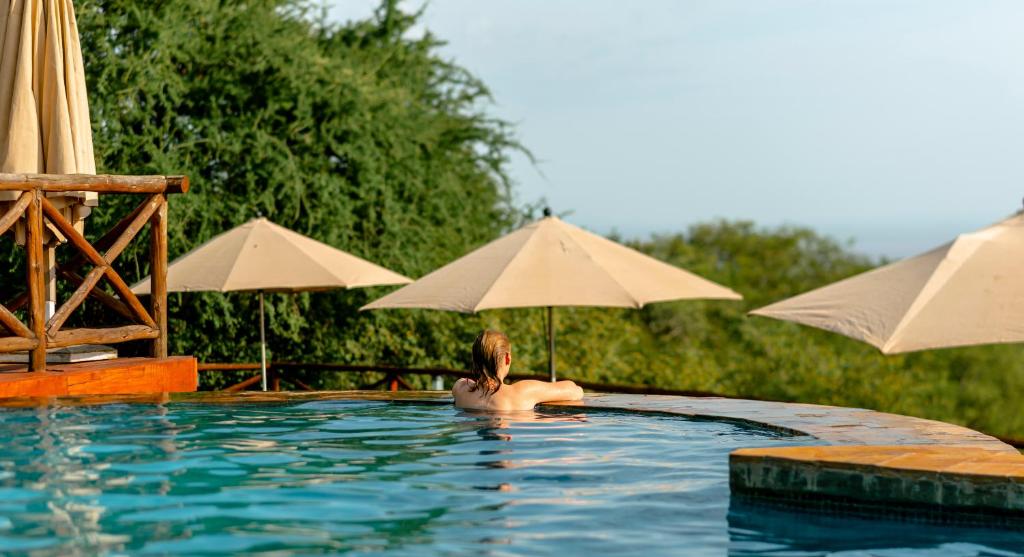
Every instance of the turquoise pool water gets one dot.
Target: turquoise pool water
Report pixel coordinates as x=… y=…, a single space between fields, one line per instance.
x=330 y=477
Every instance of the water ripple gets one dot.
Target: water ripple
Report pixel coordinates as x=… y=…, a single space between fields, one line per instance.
x=331 y=477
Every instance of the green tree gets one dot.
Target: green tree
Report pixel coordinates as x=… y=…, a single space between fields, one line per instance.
x=360 y=135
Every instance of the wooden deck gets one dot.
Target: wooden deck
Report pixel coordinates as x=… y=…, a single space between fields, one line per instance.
x=120 y=376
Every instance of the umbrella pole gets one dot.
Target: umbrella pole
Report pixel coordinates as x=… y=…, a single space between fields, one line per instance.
x=551 y=343
x=263 y=347
x=50 y=253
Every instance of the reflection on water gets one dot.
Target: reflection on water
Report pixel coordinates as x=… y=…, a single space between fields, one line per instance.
x=332 y=477
x=758 y=529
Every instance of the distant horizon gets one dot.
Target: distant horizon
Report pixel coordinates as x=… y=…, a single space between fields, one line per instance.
x=890 y=244
x=892 y=123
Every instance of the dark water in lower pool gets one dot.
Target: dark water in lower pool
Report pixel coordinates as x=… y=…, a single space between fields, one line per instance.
x=342 y=477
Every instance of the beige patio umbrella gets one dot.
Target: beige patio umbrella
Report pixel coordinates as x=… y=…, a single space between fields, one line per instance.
x=969 y=291
x=44 y=111
x=263 y=257
x=550 y=263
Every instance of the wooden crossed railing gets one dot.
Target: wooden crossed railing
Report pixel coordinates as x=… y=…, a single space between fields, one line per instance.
x=33 y=206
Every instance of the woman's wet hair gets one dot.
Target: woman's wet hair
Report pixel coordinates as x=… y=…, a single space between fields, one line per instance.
x=489 y=350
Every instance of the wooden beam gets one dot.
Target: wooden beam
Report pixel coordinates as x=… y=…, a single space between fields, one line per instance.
x=244 y=384
x=373 y=367
x=100 y=295
x=76 y=299
x=13 y=324
x=74 y=236
x=149 y=207
x=375 y=384
x=102 y=183
x=111 y=335
x=298 y=383
x=129 y=298
x=17 y=302
x=14 y=212
x=230 y=367
x=17 y=344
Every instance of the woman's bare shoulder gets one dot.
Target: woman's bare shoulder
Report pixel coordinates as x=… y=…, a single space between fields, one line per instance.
x=462 y=384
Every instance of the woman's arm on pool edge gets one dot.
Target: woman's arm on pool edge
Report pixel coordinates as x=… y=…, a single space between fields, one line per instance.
x=543 y=391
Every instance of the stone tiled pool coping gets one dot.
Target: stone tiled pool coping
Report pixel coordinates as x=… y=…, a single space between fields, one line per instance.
x=865 y=460
x=868 y=463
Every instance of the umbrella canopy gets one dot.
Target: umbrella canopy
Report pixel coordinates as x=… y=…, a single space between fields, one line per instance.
x=44 y=111
x=262 y=256
x=551 y=263
x=967 y=292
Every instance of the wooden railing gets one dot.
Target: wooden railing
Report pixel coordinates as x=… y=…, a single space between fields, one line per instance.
x=393 y=377
x=40 y=334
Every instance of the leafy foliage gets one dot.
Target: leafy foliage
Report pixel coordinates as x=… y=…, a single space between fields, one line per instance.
x=357 y=135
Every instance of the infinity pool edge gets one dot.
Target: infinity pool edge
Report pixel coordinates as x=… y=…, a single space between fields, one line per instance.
x=866 y=459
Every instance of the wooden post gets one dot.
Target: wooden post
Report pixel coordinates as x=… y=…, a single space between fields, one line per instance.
x=158 y=274
x=36 y=280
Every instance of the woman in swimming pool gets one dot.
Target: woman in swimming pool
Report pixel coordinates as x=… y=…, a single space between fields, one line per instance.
x=492 y=358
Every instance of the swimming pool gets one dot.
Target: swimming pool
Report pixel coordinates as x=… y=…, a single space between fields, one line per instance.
x=360 y=477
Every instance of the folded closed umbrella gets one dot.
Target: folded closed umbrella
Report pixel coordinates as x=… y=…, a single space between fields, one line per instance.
x=967 y=292
x=550 y=263
x=263 y=257
x=44 y=109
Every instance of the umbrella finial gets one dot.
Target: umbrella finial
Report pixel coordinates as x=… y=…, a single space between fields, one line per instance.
x=547 y=211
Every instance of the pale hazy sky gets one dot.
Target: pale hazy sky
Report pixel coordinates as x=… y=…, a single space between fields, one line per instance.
x=897 y=123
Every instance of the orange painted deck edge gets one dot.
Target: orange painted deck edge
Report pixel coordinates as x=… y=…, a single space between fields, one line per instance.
x=176 y=374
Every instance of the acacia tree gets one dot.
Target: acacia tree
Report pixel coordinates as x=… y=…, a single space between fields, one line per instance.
x=359 y=135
